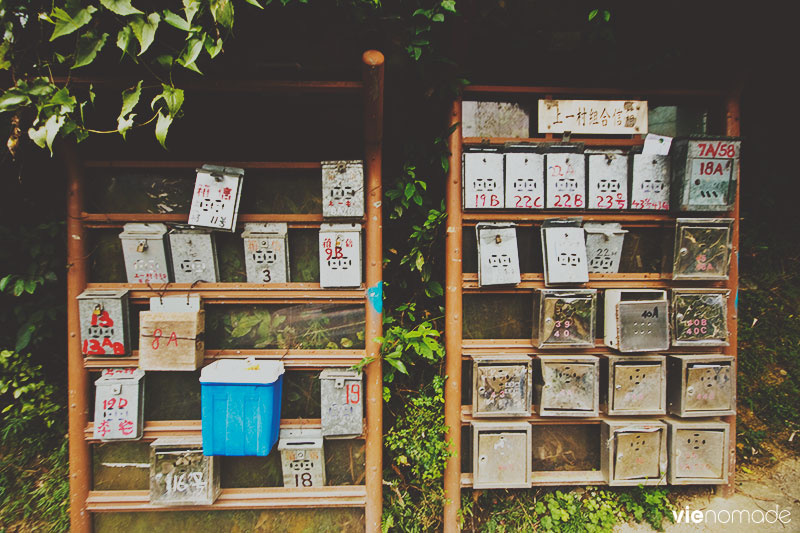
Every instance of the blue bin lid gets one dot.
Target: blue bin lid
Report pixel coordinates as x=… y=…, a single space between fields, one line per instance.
x=248 y=371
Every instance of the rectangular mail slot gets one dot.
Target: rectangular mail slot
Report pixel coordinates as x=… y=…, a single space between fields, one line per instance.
x=119 y=404
x=483 y=180
x=302 y=457
x=698 y=452
x=700 y=317
x=171 y=334
x=701 y=385
x=105 y=323
x=180 y=474
x=524 y=179
x=705 y=171
x=702 y=248
x=194 y=255
x=340 y=255
x=342 y=403
x=144 y=247
x=501 y=455
x=342 y=189
x=568 y=385
x=564 y=252
x=215 y=202
x=266 y=252
x=608 y=179
x=650 y=184
x=565 y=178
x=633 y=452
x=604 y=246
x=498 y=256
x=564 y=318
x=501 y=385
x=636 y=320
x=637 y=385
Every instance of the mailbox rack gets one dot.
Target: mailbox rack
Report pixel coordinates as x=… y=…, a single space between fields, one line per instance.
x=83 y=500
x=459 y=350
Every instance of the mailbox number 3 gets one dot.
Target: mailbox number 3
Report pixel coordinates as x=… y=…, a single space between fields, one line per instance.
x=353 y=393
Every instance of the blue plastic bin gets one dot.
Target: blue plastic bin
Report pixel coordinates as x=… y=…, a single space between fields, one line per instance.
x=241 y=406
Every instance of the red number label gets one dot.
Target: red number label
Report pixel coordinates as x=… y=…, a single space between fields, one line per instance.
x=156 y=339
x=353 y=392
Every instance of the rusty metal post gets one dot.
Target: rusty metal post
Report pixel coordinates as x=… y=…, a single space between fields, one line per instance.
x=373 y=138
x=453 y=326
x=78 y=401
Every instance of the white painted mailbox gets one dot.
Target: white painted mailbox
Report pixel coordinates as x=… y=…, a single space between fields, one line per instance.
x=651 y=182
x=608 y=179
x=524 y=184
x=119 y=404
x=498 y=256
x=483 y=180
x=565 y=178
x=564 y=251
x=215 y=202
x=340 y=255
x=604 y=243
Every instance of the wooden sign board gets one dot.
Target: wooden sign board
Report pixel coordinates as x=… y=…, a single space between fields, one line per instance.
x=607 y=117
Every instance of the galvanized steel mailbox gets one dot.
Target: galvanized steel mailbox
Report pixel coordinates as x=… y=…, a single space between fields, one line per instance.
x=144 y=247
x=698 y=452
x=650 y=184
x=705 y=171
x=501 y=455
x=564 y=318
x=498 y=256
x=342 y=403
x=568 y=385
x=633 y=452
x=604 y=246
x=483 y=180
x=194 y=255
x=636 y=320
x=608 y=179
x=105 y=322
x=342 y=189
x=266 y=252
x=701 y=385
x=524 y=180
x=700 y=317
x=171 y=334
x=180 y=474
x=302 y=457
x=565 y=179
x=702 y=248
x=636 y=384
x=501 y=385
x=215 y=203
x=340 y=255
x=119 y=404
x=564 y=252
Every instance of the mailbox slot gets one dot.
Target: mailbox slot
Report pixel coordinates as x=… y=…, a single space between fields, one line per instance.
x=698 y=452
x=637 y=385
x=604 y=246
x=700 y=317
x=194 y=256
x=634 y=452
x=702 y=248
x=105 y=323
x=180 y=474
x=636 y=320
x=705 y=171
x=568 y=385
x=266 y=252
x=119 y=404
x=501 y=455
x=215 y=202
x=524 y=184
x=565 y=318
x=342 y=403
x=565 y=179
x=483 y=180
x=501 y=385
x=340 y=255
x=342 y=189
x=650 y=184
x=498 y=256
x=171 y=334
x=302 y=458
x=564 y=252
x=701 y=385
x=144 y=247
x=608 y=179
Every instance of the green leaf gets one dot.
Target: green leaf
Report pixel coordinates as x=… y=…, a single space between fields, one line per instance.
x=449 y=5
x=4 y=281
x=438 y=17
x=130 y=98
x=120 y=7
x=89 y=45
x=222 y=11
x=606 y=15
x=172 y=97
x=176 y=21
x=45 y=134
x=189 y=56
x=435 y=288
x=91 y=93
x=190 y=8
x=420 y=261
x=592 y=14
x=63 y=99
x=165 y=61
x=124 y=40
x=255 y=3
x=398 y=364
x=162 y=126
x=13 y=99
x=410 y=190
x=212 y=48
x=5 y=48
x=19 y=287
x=145 y=30
x=66 y=24
x=24 y=337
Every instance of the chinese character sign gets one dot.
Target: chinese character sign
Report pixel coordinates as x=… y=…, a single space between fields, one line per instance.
x=608 y=117
x=215 y=202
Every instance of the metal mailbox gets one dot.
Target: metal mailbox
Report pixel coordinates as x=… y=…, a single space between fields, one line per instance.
x=498 y=256
x=501 y=455
x=215 y=202
x=119 y=404
x=105 y=322
x=266 y=252
x=636 y=320
x=636 y=385
x=180 y=474
x=340 y=255
x=144 y=247
x=633 y=452
x=565 y=179
x=501 y=385
x=564 y=318
x=524 y=185
x=702 y=248
x=701 y=385
x=608 y=179
x=342 y=403
x=568 y=385
x=564 y=252
x=650 y=183
x=194 y=255
x=698 y=452
x=171 y=334
x=483 y=180
x=705 y=171
x=700 y=317
x=604 y=246
x=302 y=457
x=342 y=189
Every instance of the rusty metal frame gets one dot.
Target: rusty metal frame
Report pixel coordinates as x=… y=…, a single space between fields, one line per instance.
x=84 y=501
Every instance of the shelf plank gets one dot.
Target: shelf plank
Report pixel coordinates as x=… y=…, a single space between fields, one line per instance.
x=116 y=220
x=535 y=419
x=545 y=479
x=626 y=218
x=292 y=359
x=588 y=141
x=478 y=347
x=596 y=281
x=228 y=85
x=619 y=94
x=309 y=165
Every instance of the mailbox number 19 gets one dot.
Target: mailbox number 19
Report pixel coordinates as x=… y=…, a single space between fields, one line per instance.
x=353 y=393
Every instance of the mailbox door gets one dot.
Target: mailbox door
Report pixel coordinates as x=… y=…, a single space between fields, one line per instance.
x=502 y=457
x=483 y=180
x=303 y=467
x=340 y=258
x=708 y=387
x=145 y=260
x=266 y=259
x=638 y=386
x=702 y=252
x=568 y=386
x=603 y=252
x=699 y=453
x=502 y=389
x=650 y=188
x=565 y=255
x=643 y=326
x=194 y=257
x=499 y=257
x=710 y=169
x=567 y=321
x=342 y=189
x=117 y=412
x=701 y=318
x=342 y=407
x=104 y=326
x=181 y=476
x=608 y=181
x=524 y=181
x=637 y=454
x=566 y=181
